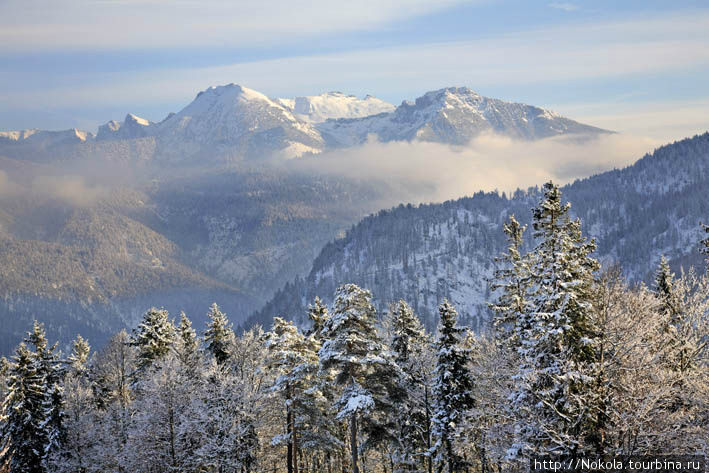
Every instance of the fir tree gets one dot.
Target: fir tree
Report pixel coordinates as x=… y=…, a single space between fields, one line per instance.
x=557 y=395
x=32 y=412
x=410 y=347
x=514 y=281
x=52 y=370
x=78 y=421
x=219 y=336
x=362 y=366
x=664 y=289
x=452 y=389
x=153 y=337
x=294 y=361
x=187 y=343
x=22 y=436
x=317 y=314
x=79 y=357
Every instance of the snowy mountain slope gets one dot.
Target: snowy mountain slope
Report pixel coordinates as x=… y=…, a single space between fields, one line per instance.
x=423 y=254
x=452 y=115
x=236 y=120
x=228 y=124
x=43 y=138
x=334 y=105
x=132 y=127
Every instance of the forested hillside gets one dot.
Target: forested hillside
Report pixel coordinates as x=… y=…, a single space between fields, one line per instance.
x=579 y=364
x=428 y=252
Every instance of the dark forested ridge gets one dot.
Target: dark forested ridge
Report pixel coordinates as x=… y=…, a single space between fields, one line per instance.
x=427 y=252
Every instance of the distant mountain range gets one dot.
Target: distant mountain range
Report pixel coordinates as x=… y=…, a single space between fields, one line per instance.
x=206 y=204
x=425 y=253
x=231 y=123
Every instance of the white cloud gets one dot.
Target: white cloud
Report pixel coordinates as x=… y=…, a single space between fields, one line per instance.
x=489 y=162
x=115 y=24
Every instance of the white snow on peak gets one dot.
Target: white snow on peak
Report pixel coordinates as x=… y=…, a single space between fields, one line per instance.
x=44 y=137
x=137 y=119
x=318 y=108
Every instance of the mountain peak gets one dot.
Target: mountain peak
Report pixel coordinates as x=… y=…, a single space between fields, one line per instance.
x=135 y=119
x=334 y=105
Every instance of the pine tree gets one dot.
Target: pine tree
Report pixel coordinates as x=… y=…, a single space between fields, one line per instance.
x=22 y=435
x=317 y=313
x=153 y=337
x=32 y=412
x=79 y=357
x=79 y=419
x=676 y=351
x=362 y=367
x=557 y=395
x=664 y=289
x=452 y=389
x=219 y=336
x=410 y=346
x=110 y=376
x=514 y=281
x=704 y=245
x=187 y=344
x=227 y=441
x=52 y=370
x=294 y=361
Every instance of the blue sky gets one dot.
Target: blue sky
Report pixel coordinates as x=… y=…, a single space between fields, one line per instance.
x=637 y=67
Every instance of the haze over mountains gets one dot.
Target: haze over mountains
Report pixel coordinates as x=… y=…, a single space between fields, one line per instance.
x=426 y=253
x=209 y=204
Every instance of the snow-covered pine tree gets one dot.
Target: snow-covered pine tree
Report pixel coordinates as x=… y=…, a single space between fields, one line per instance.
x=79 y=415
x=160 y=438
x=664 y=289
x=219 y=336
x=362 y=366
x=153 y=337
x=672 y=347
x=79 y=358
x=22 y=435
x=704 y=244
x=452 y=389
x=227 y=441
x=513 y=280
x=52 y=370
x=32 y=412
x=294 y=362
x=317 y=313
x=110 y=377
x=410 y=345
x=325 y=425
x=187 y=344
x=560 y=410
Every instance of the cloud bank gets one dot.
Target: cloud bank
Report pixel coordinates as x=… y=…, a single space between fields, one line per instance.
x=489 y=162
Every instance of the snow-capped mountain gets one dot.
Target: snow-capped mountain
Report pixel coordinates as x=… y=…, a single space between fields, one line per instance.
x=427 y=253
x=334 y=105
x=452 y=115
x=44 y=138
x=230 y=123
x=132 y=127
x=238 y=122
